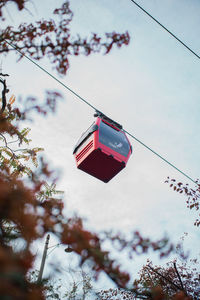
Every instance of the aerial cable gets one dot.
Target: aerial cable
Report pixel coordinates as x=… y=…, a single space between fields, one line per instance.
x=161 y=157
x=48 y=73
x=96 y=110
x=174 y=36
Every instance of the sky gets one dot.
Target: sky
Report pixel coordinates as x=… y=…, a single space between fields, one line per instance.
x=151 y=87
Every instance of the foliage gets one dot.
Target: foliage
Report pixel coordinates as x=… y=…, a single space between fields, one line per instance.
x=174 y=280
x=52 y=38
x=192 y=194
x=51 y=286
x=79 y=289
x=115 y=294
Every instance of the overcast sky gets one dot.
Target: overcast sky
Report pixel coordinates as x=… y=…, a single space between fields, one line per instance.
x=151 y=87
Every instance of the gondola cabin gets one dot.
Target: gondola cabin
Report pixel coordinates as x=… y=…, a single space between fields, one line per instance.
x=103 y=150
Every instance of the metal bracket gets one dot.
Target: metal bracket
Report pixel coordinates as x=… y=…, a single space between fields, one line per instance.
x=105 y=118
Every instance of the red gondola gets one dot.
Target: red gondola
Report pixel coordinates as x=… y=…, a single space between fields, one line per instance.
x=103 y=150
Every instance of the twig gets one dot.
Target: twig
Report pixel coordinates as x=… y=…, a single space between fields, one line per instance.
x=12 y=142
x=6 y=146
x=1 y=74
x=171 y=282
x=179 y=277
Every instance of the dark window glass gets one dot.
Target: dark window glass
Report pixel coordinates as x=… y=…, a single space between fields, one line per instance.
x=116 y=140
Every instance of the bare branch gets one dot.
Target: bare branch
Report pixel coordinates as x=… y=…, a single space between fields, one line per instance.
x=179 y=277
x=165 y=278
x=4 y=91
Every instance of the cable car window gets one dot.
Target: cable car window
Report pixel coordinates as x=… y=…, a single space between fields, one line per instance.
x=85 y=136
x=114 y=139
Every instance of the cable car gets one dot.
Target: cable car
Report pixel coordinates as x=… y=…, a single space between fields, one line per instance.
x=103 y=150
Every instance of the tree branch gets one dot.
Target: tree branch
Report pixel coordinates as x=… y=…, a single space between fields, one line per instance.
x=6 y=146
x=4 y=91
x=179 y=277
x=165 y=278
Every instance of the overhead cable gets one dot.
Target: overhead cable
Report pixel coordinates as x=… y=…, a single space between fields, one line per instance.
x=161 y=157
x=181 y=42
x=48 y=73
x=93 y=107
